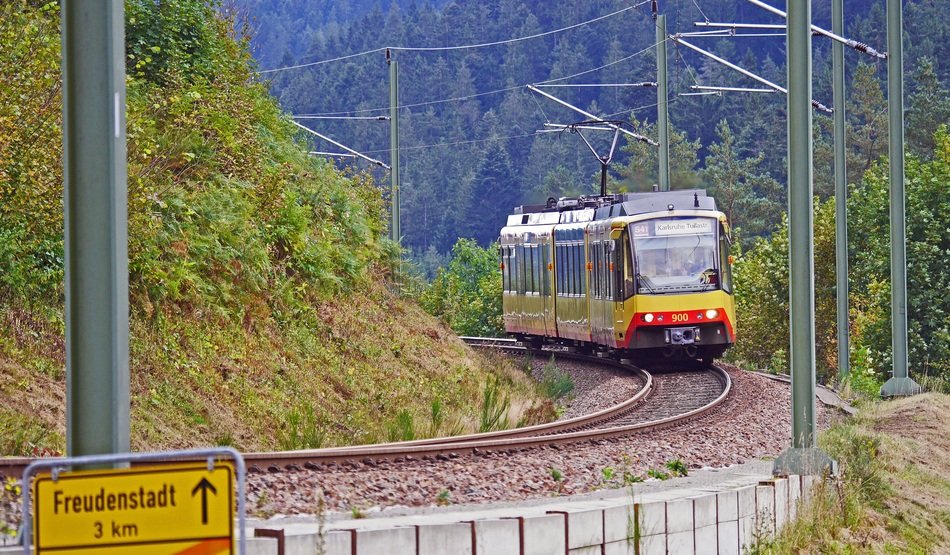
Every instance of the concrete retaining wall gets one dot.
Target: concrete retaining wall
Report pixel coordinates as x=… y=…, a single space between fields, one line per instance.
x=719 y=519
x=722 y=519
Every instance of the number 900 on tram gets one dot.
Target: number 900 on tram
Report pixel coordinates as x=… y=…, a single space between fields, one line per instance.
x=631 y=274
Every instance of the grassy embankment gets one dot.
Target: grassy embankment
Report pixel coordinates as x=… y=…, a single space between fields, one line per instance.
x=260 y=311
x=892 y=494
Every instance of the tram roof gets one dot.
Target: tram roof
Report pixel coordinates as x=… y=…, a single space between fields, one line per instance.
x=586 y=209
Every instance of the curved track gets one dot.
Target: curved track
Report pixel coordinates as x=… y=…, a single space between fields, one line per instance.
x=666 y=398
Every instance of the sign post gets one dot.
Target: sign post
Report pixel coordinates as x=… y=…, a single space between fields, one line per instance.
x=175 y=508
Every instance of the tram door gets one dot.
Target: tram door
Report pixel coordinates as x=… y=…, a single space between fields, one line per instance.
x=602 y=294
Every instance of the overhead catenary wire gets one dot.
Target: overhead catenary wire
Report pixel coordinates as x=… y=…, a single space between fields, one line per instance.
x=497 y=91
x=745 y=72
x=728 y=33
x=586 y=114
x=726 y=26
x=340 y=145
x=731 y=89
x=458 y=47
x=700 y=10
x=332 y=154
x=859 y=46
x=643 y=84
x=373 y=118
x=501 y=138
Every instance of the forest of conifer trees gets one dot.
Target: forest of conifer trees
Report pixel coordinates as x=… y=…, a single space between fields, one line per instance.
x=467 y=161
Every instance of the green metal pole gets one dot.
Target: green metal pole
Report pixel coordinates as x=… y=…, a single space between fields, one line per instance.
x=395 y=232
x=662 y=104
x=96 y=235
x=900 y=383
x=841 y=191
x=802 y=457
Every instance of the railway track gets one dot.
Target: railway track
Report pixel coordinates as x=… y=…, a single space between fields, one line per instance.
x=666 y=398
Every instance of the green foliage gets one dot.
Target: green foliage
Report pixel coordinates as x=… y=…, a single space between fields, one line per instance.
x=762 y=279
x=303 y=430
x=929 y=108
x=31 y=207
x=607 y=473
x=863 y=380
x=10 y=504
x=677 y=467
x=443 y=498
x=494 y=408
x=556 y=474
x=629 y=478
x=227 y=215
x=403 y=428
x=20 y=437
x=174 y=39
x=657 y=474
x=460 y=183
x=750 y=198
x=641 y=173
x=467 y=293
x=555 y=383
x=845 y=509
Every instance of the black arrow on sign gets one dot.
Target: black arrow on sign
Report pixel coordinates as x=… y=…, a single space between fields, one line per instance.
x=204 y=485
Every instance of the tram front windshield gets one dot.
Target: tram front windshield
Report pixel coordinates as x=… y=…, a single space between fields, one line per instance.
x=675 y=255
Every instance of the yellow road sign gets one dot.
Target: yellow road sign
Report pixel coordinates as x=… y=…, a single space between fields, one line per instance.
x=181 y=509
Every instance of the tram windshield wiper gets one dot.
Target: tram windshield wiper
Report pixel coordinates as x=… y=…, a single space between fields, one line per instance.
x=645 y=282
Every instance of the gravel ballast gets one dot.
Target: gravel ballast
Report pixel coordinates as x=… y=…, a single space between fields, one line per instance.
x=753 y=422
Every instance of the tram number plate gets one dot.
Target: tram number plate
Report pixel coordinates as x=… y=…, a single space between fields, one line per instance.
x=680 y=317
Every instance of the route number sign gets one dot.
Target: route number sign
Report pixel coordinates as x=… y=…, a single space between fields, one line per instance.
x=181 y=509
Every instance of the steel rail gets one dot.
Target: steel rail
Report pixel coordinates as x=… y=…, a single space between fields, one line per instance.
x=590 y=427
x=504 y=441
x=539 y=430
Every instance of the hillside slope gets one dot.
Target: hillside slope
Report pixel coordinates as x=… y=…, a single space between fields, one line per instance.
x=259 y=307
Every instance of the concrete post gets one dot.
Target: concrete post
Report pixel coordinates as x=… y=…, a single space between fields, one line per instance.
x=900 y=383
x=662 y=104
x=395 y=232
x=96 y=235
x=841 y=191
x=803 y=457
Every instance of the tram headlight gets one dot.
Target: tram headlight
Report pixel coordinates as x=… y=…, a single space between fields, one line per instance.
x=648 y=317
x=711 y=313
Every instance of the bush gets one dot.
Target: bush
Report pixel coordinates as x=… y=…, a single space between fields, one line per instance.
x=761 y=276
x=467 y=293
x=555 y=383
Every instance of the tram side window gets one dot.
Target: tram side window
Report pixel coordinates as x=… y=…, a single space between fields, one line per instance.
x=535 y=276
x=582 y=262
x=528 y=270
x=596 y=289
x=538 y=288
x=576 y=270
x=595 y=270
x=725 y=269
x=563 y=271
x=503 y=255
x=538 y=272
x=602 y=265
x=545 y=273
x=568 y=270
x=628 y=274
x=562 y=268
x=512 y=266
x=521 y=268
